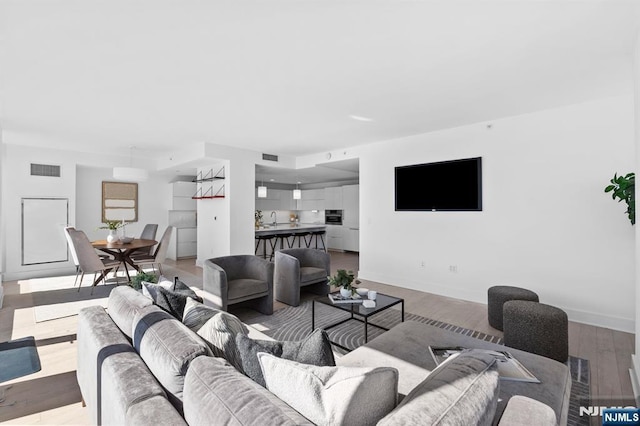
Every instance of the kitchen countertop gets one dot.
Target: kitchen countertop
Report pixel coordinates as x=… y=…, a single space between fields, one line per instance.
x=282 y=228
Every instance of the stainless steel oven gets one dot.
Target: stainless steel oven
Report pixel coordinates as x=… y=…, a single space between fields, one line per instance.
x=333 y=217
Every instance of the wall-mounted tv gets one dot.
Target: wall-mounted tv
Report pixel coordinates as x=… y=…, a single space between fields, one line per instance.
x=443 y=186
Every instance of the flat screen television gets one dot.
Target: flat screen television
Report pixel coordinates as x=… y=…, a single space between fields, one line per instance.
x=443 y=186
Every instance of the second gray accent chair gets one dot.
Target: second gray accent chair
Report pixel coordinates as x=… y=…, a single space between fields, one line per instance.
x=229 y=280
x=296 y=268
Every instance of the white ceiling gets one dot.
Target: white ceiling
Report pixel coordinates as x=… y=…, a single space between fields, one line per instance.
x=287 y=77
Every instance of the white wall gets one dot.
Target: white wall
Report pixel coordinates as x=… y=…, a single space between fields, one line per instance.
x=214 y=236
x=80 y=182
x=154 y=201
x=18 y=184
x=546 y=223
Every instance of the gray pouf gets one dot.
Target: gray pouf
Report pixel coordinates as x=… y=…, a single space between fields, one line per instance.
x=500 y=294
x=537 y=328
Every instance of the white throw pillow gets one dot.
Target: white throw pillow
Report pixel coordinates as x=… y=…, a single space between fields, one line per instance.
x=332 y=395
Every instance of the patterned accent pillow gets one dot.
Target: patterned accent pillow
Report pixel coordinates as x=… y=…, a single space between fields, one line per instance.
x=332 y=395
x=151 y=289
x=315 y=349
x=174 y=300
x=218 y=328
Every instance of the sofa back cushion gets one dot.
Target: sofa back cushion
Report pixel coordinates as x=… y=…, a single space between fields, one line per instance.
x=167 y=347
x=215 y=393
x=124 y=303
x=463 y=390
x=332 y=395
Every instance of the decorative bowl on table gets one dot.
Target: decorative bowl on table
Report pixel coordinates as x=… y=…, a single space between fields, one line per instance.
x=362 y=291
x=126 y=240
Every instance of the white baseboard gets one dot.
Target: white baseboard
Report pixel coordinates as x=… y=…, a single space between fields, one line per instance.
x=591 y=318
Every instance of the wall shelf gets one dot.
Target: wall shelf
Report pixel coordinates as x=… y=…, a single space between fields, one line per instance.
x=210 y=176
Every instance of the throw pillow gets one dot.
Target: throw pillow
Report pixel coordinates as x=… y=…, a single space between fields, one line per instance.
x=218 y=328
x=332 y=395
x=462 y=391
x=150 y=289
x=315 y=349
x=196 y=314
x=174 y=301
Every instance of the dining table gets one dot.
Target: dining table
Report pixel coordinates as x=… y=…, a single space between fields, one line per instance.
x=122 y=251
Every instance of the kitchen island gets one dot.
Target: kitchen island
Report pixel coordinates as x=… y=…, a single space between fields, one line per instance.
x=284 y=235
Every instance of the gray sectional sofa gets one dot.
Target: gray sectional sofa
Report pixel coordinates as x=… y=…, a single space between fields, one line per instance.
x=139 y=365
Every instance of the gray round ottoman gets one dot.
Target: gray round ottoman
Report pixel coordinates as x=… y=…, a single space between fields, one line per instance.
x=537 y=328
x=500 y=294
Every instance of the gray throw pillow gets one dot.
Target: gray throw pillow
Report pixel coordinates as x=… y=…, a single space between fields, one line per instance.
x=332 y=395
x=315 y=349
x=218 y=328
x=462 y=391
x=175 y=300
x=151 y=289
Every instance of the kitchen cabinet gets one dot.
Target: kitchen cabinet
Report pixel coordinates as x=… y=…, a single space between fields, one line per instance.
x=183 y=244
x=351 y=239
x=333 y=198
x=351 y=206
x=312 y=199
x=335 y=239
x=277 y=199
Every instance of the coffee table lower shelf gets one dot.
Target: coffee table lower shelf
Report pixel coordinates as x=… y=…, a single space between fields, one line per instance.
x=358 y=313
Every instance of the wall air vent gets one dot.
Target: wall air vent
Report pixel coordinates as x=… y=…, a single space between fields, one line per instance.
x=270 y=157
x=45 y=170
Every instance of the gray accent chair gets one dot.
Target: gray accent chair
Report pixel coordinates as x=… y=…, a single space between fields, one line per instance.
x=296 y=268
x=229 y=280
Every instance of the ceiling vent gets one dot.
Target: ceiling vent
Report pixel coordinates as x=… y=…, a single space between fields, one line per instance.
x=270 y=157
x=45 y=170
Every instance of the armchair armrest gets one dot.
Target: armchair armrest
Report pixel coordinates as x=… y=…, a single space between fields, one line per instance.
x=214 y=283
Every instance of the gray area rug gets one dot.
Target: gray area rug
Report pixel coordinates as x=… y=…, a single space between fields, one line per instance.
x=18 y=358
x=294 y=323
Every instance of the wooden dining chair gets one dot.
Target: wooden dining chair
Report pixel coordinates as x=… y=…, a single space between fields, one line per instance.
x=158 y=256
x=88 y=259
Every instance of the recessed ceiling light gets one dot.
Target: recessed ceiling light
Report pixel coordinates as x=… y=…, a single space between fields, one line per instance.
x=360 y=118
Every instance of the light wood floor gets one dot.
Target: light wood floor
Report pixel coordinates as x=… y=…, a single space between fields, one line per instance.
x=51 y=396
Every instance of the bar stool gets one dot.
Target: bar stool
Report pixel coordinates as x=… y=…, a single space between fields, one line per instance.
x=264 y=239
x=281 y=238
x=317 y=234
x=302 y=236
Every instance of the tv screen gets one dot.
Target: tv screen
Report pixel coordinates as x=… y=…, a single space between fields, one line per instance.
x=448 y=185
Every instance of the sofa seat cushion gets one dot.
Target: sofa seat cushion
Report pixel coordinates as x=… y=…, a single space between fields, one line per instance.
x=167 y=347
x=461 y=391
x=332 y=395
x=311 y=274
x=315 y=349
x=123 y=304
x=245 y=287
x=406 y=347
x=215 y=393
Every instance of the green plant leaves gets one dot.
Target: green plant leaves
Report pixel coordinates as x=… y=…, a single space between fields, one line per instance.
x=623 y=188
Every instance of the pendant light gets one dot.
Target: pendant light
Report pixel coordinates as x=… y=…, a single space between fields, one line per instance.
x=297 y=194
x=130 y=173
x=262 y=190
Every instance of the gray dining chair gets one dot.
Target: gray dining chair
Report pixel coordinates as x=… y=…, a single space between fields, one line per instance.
x=158 y=256
x=148 y=233
x=88 y=260
x=74 y=254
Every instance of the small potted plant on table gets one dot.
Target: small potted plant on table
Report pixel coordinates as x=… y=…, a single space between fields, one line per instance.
x=344 y=280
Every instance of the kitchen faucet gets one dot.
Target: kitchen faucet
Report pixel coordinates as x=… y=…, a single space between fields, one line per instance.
x=275 y=218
